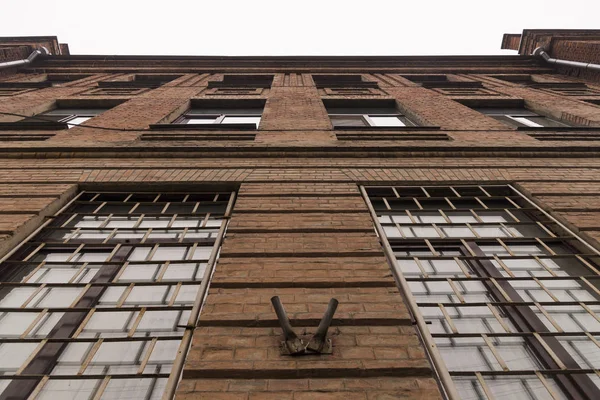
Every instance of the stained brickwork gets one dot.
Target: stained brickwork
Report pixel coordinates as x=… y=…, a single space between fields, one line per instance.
x=300 y=228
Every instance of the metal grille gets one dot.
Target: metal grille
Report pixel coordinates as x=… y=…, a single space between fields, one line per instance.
x=506 y=297
x=101 y=301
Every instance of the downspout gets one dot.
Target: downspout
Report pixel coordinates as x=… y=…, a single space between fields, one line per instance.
x=565 y=63
x=25 y=61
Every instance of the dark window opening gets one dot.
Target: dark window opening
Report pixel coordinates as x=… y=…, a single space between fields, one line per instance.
x=341 y=81
x=243 y=81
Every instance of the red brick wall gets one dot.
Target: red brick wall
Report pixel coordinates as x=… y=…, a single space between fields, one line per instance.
x=300 y=228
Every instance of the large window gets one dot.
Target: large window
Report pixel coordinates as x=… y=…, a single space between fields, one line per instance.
x=221 y=117
x=99 y=303
x=521 y=117
x=71 y=116
x=509 y=296
x=366 y=114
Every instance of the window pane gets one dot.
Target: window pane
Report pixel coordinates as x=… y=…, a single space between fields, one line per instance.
x=199 y=120
x=347 y=120
x=68 y=389
x=77 y=120
x=527 y=121
x=386 y=121
x=241 y=120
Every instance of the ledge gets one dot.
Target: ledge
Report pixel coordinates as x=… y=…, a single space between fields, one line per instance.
x=199 y=127
x=197 y=136
x=128 y=84
x=393 y=136
x=24 y=137
x=218 y=84
x=25 y=85
x=451 y=84
x=386 y=128
x=32 y=125
x=560 y=128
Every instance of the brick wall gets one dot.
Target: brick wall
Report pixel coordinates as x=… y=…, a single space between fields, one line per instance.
x=300 y=228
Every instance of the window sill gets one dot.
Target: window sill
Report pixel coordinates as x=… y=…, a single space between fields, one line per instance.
x=208 y=127
x=24 y=137
x=386 y=128
x=32 y=125
x=559 y=128
x=341 y=85
x=452 y=85
x=197 y=136
x=212 y=85
x=26 y=85
x=129 y=85
x=393 y=136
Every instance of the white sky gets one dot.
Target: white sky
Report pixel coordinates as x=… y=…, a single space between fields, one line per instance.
x=280 y=27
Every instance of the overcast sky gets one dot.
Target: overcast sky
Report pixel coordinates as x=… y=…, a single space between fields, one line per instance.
x=280 y=27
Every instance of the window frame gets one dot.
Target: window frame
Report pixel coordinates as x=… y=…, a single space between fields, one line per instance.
x=219 y=118
x=519 y=118
x=369 y=123
x=68 y=115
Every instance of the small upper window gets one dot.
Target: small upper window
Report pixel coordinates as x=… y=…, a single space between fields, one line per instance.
x=341 y=81
x=243 y=81
x=376 y=115
x=521 y=117
x=205 y=116
x=70 y=116
x=61 y=79
x=423 y=79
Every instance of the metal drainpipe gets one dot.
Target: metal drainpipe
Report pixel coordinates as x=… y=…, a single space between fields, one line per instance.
x=566 y=63
x=25 y=61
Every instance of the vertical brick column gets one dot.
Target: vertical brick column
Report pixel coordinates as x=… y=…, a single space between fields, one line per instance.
x=305 y=243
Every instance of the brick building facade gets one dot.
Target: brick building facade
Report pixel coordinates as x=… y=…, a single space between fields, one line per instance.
x=151 y=204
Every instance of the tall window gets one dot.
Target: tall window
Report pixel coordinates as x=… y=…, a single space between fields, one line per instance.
x=510 y=298
x=366 y=114
x=249 y=117
x=70 y=116
x=521 y=117
x=241 y=114
x=99 y=303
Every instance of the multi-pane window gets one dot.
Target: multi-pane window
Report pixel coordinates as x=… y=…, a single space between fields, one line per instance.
x=510 y=297
x=99 y=303
x=207 y=116
x=70 y=116
x=368 y=117
x=521 y=117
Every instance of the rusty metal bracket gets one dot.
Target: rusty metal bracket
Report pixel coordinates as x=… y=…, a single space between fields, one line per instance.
x=292 y=344
x=319 y=342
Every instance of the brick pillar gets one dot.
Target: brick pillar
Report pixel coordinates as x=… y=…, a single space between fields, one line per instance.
x=306 y=243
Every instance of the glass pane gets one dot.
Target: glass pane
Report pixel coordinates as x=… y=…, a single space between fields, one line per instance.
x=134 y=389
x=241 y=120
x=68 y=389
x=77 y=120
x=347 y=120
x=140 y=272
x=14 y=323
x=199 y=120
x=386 y=121
x=164 y=253
x=16 y=297
x=55 y=297
x=13 y=355
x=527 y=121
